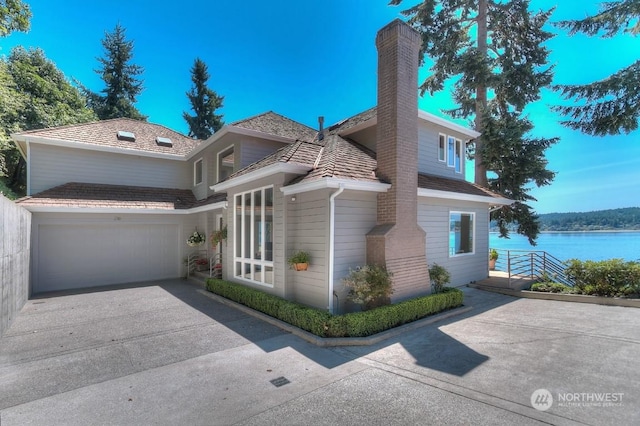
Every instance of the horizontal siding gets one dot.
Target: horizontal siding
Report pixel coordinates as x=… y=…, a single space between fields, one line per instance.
x=52 y=166
x=256 y=149
x=428 y=137
x=433 y=216
x=355 y=216
x=307 y=229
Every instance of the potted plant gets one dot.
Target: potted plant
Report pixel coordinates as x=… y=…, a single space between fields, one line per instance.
x=493 y=256
x=299 y=260
x=202 y=264
x=196 y=239
x=218 y=236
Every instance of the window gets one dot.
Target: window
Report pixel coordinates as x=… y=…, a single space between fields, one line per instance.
x=197 y=172
x=458 y=156
x=461 y=232
x=442 y=149
x=451 y=148
x=253 y=239
x=226 y=162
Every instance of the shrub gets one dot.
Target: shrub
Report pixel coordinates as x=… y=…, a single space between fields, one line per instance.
x=369 y=286
x=439 y=276
x=551 y=287
x=323 y=324
x=613 y=277
x=299 y=257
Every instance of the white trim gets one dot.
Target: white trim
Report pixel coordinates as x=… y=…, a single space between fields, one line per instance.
x=121 y=210
x=422 y=115
x=195 y=174
x=332 y=242
x=335 y=183
x=28 y=161
x=427 y=116
x=91 y=147
x=263 y=172
x=449 y=195
x=239 y=131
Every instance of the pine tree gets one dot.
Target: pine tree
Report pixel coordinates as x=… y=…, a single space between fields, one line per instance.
x=493 y=52
x=120 y=78
x=204 y=103
x=14 y=16
x=612 y=105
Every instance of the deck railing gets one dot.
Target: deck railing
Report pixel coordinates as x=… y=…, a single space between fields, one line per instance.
x=535 y=265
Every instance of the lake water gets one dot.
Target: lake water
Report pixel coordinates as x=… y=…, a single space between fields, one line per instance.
x=576 y=245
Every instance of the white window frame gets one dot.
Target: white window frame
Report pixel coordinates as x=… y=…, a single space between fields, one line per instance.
x=264 y=264
x=459 y=156
x=218 y=159
x=442 y=140
x=451 y=151
x=452 y=253
x=195 y=171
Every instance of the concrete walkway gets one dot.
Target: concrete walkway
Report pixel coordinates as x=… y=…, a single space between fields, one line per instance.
x=165 y=354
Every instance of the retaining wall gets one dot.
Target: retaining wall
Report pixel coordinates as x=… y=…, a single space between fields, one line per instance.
x=15 y=252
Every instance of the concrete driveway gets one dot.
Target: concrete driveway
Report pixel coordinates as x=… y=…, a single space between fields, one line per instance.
x=166 y=354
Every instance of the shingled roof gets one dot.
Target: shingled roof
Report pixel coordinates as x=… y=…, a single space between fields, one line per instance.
x=278 y=125
x=439 y=183
x=92 y=195
x=343 y=159
x=105 y=133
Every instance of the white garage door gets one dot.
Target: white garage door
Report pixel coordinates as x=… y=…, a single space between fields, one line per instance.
x=77 y=256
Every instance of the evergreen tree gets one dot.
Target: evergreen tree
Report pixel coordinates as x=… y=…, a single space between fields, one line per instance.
x=14 y=16
x=34 y=94
x=494 y=53
x=120 y=78
x=612 y=105
x=204 y=103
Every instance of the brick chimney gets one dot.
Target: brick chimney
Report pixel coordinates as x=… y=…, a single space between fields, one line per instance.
x=397 y=241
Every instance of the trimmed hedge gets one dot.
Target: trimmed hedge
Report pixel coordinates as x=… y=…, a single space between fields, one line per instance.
x=323 y=324
x=613 y=277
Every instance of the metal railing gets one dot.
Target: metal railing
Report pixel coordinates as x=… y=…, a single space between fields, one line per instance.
x=535 y=265
x=215 y=266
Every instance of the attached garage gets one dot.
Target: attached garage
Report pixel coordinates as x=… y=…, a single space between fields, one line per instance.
x=73 y=254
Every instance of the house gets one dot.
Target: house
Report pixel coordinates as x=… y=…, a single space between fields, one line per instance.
x=115 y=201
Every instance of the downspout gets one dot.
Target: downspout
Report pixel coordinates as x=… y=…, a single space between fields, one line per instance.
x=332 y=231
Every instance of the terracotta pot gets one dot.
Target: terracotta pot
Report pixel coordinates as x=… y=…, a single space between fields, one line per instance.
x=300 y=266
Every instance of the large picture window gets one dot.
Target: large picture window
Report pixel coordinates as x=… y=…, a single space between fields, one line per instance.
x=253 y=240
x=461 y=233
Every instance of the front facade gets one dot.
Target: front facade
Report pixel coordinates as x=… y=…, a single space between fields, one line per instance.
x=115 y=201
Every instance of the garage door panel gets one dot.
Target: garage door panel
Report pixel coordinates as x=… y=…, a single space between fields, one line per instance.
x=76 y=256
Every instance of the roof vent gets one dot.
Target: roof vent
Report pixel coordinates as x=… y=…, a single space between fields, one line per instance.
x=126 y=136
x=163 y=141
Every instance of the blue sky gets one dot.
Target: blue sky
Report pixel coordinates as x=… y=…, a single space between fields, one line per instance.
x=308 y=58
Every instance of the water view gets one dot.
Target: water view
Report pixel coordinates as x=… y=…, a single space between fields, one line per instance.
x=576 y=245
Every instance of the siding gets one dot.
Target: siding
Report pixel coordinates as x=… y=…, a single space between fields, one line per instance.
x=201 y=191
x=253 y=150
x=51 y=166
x=355 y=216
x=307 y=229
x=433 y=216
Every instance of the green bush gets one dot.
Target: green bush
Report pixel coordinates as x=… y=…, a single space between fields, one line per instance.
x=439 y=276
x=551 y=287
x=369 y=286
x=323 y=324
x=613 y=277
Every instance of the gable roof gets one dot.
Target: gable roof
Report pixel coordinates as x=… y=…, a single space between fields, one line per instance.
x=431 y=184
x=101 y=196
x=278 y=125
x=105 y=134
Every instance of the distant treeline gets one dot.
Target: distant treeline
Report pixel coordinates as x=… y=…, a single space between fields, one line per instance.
x=602 y=220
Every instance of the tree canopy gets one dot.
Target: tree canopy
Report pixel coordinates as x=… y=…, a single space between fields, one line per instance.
x=121 y=78
x=612 y=105
x=34 y=94
x=15 y=15
x=204 y=103
x=494 y=55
